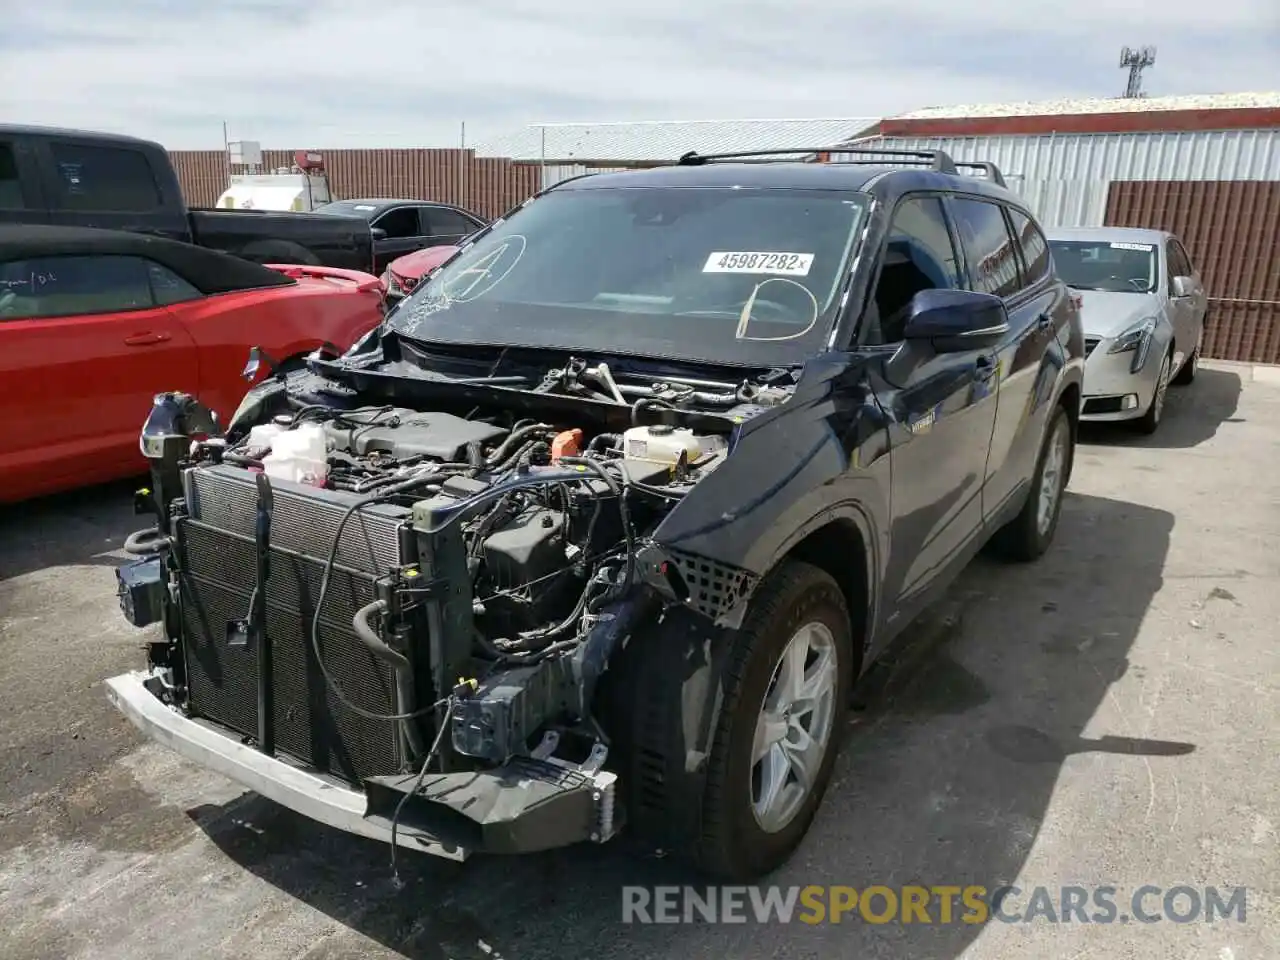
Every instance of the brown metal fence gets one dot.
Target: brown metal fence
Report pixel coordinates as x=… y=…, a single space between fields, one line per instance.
x=1231 y=228
x=488 y=185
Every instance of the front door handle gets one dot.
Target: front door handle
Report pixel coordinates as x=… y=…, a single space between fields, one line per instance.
x=984 y=368
x=1044 y=321
x=145 y=339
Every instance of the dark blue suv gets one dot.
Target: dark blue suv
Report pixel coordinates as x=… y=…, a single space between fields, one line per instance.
x=602 y=523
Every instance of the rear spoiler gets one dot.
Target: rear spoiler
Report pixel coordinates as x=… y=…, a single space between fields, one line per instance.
x=364 y=282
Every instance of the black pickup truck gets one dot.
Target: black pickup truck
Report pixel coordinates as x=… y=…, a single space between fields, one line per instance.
x=87 y=179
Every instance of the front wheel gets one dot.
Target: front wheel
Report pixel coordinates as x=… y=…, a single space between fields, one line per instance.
x=1190 y=368
x=1027 y=536
x=1151 y=420
x=777 y=736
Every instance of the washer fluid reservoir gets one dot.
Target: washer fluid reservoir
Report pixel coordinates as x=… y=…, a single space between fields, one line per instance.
x=299 y=455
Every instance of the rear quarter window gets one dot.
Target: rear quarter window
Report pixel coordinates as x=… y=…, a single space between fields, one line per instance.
x=1034 y=246
x=90 y=178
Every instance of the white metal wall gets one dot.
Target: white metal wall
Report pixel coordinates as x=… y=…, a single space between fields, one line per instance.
x=553 y=173
x=1065 y=177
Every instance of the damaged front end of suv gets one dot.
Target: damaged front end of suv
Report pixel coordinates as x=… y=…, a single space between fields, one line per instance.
x=400 y=590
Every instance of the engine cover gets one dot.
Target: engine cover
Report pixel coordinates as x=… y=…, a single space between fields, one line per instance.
x=403 y=433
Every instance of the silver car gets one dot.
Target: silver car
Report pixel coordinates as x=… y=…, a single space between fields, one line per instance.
x=1142 y=305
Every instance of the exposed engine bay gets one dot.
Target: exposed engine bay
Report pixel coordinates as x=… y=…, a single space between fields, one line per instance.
x=392 y=594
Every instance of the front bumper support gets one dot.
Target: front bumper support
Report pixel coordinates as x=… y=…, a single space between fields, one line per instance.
x=524 y=806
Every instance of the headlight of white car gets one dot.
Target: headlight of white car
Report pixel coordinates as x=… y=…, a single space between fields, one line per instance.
x=1138 y=339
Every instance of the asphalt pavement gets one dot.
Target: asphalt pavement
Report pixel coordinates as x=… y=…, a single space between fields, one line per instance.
x=1107 y=716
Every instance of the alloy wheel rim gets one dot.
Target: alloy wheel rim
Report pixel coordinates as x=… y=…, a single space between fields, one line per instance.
x=1051 y=475
x=793 y=726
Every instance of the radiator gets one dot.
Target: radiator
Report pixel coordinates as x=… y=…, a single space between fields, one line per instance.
x=218 y=560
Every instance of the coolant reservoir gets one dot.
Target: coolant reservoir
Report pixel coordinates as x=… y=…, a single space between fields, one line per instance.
x=298 y=455
x=661 y=443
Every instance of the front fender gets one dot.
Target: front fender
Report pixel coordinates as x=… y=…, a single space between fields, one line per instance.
x=826 y=449
x=1163 y=336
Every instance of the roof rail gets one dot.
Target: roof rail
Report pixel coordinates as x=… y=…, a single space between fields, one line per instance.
x=990 y=169
x=937 y=159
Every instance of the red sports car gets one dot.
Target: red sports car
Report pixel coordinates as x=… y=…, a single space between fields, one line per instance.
x=94 y=323
x=404 y=273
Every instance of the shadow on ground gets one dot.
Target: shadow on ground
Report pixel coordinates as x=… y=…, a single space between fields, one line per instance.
x=78 y=527
x=1192 y=415
x=949 y=765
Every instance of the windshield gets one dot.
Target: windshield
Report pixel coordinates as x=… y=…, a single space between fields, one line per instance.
x=1114 y=266
x=348 y=208
x=723 y=275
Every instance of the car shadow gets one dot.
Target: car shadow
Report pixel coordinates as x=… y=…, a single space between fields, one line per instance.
x=1192 y=415
x=81 y=526
x=958 y=737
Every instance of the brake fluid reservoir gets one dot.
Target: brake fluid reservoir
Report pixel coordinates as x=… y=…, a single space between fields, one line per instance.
x=298 y=455
x=661 y=443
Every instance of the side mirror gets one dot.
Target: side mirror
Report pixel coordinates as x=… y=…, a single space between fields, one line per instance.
x=956 y=320
x=378 y=233
x=1183 y=286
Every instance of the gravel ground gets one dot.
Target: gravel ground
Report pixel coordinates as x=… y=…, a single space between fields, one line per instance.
x=1106 y=716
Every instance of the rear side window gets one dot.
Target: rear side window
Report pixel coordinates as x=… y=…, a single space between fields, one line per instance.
x=10 y=185
x=1035 y=248
x=48 y=287
x=443 y=222
x=993 y=267
x=103 y=179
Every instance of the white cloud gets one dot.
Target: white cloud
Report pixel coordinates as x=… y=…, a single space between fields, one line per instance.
x=402 y=73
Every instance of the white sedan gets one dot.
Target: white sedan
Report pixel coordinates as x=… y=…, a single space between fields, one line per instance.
x=1143 y=307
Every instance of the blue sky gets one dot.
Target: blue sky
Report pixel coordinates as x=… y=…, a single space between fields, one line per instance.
x=404 y=73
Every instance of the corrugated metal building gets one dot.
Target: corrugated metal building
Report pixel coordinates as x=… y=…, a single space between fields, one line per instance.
x=1207 y=168
x=563 y=150
x=1062 y=154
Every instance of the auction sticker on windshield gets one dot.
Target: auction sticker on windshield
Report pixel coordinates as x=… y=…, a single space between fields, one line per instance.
x=1143 y=247
x=780 y=264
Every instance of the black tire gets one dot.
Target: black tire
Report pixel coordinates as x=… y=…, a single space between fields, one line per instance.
x=732 y=845
x=1023 y=539
x=716 y=827
x=1150 y=421
x=1190 y=367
